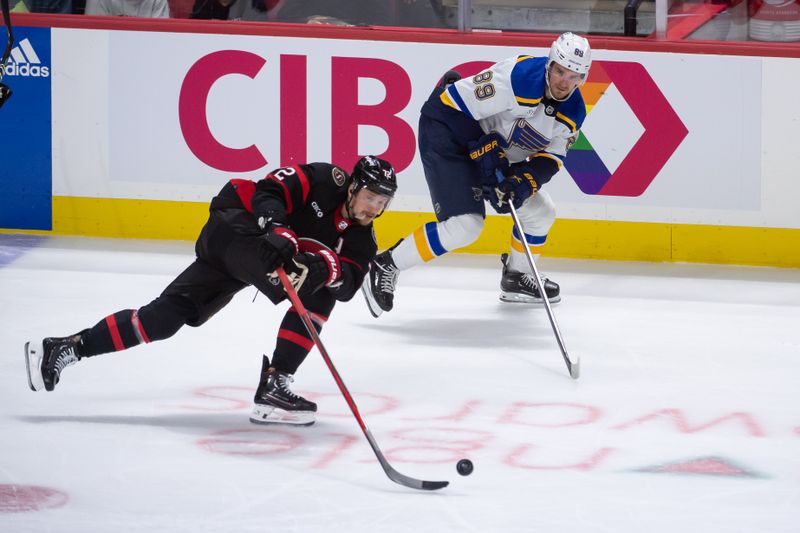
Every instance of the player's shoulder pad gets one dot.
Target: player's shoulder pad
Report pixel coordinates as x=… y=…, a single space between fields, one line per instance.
x=527 y=79
x=328 y=175
x=572 y=113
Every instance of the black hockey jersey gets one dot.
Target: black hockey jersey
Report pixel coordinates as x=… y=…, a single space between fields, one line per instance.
x=308 y=199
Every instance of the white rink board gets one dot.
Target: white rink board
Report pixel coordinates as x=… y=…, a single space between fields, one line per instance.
x=733 y=168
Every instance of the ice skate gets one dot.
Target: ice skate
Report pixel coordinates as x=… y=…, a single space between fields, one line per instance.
x=379 y=288
x=46 y=360
x=519 y=287
x=275 y=403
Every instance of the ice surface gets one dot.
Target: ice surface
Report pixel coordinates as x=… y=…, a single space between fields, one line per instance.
x=686 y=417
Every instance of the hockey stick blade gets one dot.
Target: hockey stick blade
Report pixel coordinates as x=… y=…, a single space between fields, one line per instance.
x=397 y=477
x=391 y=473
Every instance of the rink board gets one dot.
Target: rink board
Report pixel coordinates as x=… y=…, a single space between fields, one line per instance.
x=667 y=172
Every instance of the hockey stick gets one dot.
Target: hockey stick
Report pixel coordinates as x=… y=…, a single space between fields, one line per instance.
x=573 y=365
x=393 y=474
x=5 y=92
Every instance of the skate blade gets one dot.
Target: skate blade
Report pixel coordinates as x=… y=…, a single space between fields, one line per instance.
x=374 y=309
x=268 y=415
x=516 y=298
x=33 y=366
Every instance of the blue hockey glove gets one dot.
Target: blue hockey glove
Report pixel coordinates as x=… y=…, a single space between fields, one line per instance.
x=518 y=184
x=497 y=198
x=488 y=154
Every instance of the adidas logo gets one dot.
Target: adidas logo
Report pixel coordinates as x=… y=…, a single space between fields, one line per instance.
x=25 y=62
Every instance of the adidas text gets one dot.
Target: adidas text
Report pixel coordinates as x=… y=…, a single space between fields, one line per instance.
x=34 y=71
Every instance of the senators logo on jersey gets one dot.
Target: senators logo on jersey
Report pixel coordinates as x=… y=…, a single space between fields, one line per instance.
x=338 y=176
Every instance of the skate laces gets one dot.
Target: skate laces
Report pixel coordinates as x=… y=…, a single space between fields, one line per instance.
x=529 y=281
x=66 y=357
x=387 y=277
x=284 y=386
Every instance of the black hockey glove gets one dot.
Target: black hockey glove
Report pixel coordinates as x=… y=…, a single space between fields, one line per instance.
x=270 y=218
x=488 y=154
x=309 y=271
x=278 y=246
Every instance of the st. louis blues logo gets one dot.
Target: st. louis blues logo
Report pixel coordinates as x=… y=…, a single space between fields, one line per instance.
x=526 y=138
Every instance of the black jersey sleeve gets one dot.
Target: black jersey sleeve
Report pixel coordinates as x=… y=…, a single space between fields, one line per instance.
x=274 y=194
x=358 y=249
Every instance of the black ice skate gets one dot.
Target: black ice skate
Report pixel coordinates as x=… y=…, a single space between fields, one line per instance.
x=519 y=287
x=275 y=403
x=379 y=288
x=46 y=360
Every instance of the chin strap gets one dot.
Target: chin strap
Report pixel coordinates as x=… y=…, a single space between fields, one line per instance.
x=5 y=92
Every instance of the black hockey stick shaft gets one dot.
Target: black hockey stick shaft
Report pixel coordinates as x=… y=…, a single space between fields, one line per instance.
x=393 y=474
x=573 y=365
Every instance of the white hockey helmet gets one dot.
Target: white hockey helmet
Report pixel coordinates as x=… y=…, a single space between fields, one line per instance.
x=571 y=52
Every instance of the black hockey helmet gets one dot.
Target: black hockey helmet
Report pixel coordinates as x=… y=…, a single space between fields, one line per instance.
x=376 y=175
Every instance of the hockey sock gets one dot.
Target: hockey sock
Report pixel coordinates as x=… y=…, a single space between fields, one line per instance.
x=434 y=239
x=294 y=342
x=517 y=260
x=115 y=332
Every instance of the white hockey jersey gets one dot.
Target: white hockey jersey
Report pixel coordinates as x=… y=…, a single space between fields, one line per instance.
x=509 y=98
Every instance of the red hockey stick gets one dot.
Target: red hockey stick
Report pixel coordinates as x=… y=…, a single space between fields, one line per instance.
x=393 y=474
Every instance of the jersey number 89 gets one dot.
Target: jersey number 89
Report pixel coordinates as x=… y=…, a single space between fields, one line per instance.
x=483 y=89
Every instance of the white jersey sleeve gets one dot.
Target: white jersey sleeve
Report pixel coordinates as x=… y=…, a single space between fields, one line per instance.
x=485 y=94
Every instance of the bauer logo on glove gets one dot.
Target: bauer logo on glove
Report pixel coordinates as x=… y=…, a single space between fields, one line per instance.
x=484 y=149
x=487 y=152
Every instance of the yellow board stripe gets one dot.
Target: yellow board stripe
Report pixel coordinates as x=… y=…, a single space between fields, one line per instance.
x=588 y=239
x=421 y=242
x=628 y=241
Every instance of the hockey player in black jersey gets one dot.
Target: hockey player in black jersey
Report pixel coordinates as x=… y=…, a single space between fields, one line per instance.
x=315 y=220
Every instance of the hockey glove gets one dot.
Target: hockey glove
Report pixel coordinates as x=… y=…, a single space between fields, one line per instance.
x=309 y=271
x=278 y=246
x=518 y=185
x=497 y=198
x=488 y=154
x=268 y=219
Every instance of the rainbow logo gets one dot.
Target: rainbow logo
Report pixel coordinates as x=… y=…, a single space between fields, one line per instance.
x=663 y=132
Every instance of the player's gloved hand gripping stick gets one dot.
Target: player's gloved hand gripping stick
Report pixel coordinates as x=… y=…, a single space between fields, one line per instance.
x=573 y=364
x=393 y=474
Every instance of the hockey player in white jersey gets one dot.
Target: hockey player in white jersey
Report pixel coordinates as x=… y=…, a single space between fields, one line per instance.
x=518 y=117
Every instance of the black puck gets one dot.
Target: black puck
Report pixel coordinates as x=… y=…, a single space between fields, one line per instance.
x=464 y=467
